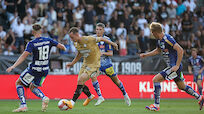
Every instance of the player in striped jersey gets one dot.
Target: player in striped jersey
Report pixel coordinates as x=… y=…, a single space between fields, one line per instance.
x=35 y=74
x=196 y=63
x=173 y=54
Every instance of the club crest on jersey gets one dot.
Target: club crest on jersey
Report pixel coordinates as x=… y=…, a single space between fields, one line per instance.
x=85 y=45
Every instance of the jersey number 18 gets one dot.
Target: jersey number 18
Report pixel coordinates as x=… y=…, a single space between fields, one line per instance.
x=43 y=52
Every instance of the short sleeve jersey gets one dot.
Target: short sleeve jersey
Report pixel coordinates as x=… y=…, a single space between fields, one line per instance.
x=40 y=48
x=196 y=63
x=89 y=49
x=170 y=55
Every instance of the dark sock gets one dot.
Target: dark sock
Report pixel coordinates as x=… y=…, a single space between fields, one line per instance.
x=86 y=91
x=77 y=92
x=200 y=89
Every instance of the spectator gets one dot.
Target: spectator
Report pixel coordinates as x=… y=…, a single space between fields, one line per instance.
x=10 y=8
x=181 y=8
x=114 y=21
x=10 y=40
x=171 y=10
x=18 y=30
x=166 y=27
x=132 y=43
x=163 y=15
x=78 y=15
x=143 y=42
x=122 y=44
x=172 y=2
x=21 y=8
x=146 y=31
x=107 y=29
x=69 y=13
x=186 y=28
x=52 y=15
x=141 y=21
x=2 y=36
x=89 y=19
x=191 y=4
x=109 y=9
x=121 y=31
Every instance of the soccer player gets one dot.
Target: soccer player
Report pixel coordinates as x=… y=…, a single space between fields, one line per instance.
x=88 y=49
x=35 y=74
x=197 y=63
x=172 y=53
x=107 y=67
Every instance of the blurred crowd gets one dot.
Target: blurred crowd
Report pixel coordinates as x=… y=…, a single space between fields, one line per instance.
x=127 y=22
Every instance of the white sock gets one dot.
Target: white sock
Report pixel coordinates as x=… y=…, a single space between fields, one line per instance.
x=72 y=102
x=126 y=95
x=200 y=98
x=23 y=105
x=100 y=97
x=157 y=105
x=90 y=97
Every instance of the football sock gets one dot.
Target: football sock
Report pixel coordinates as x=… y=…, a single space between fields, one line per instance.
x=21 y=95
x=190 y=91
x=157 y=91
x=97 y=88
x=122 y=88
x=38 y=93
x=86 y=91
x=200 y=89
x=77 y=92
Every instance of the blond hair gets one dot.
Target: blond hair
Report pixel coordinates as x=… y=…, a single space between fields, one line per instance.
x=194 y=49
x=156 y=27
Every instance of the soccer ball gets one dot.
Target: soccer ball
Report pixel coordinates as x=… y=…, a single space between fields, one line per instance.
x=61 y=105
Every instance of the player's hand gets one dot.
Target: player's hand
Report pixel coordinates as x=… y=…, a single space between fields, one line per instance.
x=9 y=69
x=142 y=55
x=69 y=65
x=174 y=68
x=115 y=46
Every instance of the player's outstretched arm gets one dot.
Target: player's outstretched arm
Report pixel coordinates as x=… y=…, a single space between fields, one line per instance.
x=151 y=53
x=19 y=61
x=179 y=50
x=110 y=42
x=77 y=58
x=61 y=46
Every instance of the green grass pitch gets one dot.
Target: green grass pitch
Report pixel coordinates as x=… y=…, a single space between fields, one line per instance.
x=168 y=106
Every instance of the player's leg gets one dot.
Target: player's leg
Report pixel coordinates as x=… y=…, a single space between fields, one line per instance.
x=21 y=95
x=82 y=78
x=199 y=83
x=117 y=82
x=109 y=71
x=38 y=81
x=157 y=91
x=96 y=86
x=181 y=85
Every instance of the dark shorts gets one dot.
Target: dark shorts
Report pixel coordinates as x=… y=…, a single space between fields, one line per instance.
x=168 y=75
x=108 y=70
x=27 y=78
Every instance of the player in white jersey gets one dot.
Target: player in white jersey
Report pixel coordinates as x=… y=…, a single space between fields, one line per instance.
x=35 y=74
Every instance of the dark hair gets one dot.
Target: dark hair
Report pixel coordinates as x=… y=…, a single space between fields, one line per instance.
x=100 y=25
x=36 y=27
x=73 y=30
